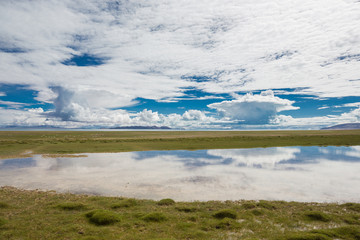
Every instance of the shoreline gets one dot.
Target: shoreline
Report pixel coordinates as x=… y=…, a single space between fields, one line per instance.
x=16 y=143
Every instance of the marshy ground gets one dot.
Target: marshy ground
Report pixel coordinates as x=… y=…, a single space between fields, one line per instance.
x=22 y=143
x=49 y=215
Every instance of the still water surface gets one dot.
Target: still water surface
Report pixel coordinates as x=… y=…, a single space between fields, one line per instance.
x=321 y=174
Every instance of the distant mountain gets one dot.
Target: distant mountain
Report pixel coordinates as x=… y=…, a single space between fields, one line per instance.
x=344 y=126
x=30 y=127
x=141 y=127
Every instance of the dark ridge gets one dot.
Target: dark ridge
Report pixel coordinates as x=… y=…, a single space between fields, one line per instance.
x=141 y=127
x=343 y=126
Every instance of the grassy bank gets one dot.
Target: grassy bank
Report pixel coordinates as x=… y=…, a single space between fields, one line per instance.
x=48 y=215
x=15 y=143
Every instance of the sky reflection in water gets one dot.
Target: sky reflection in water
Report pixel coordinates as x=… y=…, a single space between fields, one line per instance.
x=282 y=173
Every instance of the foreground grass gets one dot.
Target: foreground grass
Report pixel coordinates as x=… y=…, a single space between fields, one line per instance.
x=16 y=143
x=48 y=215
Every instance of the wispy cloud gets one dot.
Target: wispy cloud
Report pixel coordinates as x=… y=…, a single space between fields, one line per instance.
x=105 y=54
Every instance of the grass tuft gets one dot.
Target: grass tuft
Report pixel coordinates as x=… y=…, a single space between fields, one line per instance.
x=186 y=209
x=33 y=215
x=307 y=236
x=346 y=232
x=266 y=205
x=102 y=217
x=125 y=203
x=166 y=202
x=248 y=205
x=317 y=216
x=225 y=213
x=227 y=224
x=154 y=217
x=4 y=205
x=257 y=212
x=2 y=222
x=69 y=206
x=352 y=206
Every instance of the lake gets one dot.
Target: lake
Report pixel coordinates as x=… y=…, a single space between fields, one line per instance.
x=320 y=174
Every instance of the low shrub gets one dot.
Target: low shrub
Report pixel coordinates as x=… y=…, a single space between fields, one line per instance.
x=166 y=202
x=352 y=206
x=317 y=216
x=225 y=213
x=257 y=212
x=248 y=205
x=186 y=209
x=352 y=219
x=2 y=222
x=265 y=204
x=71 y=206
x=154 y=217
x=4 y=205
x=307 y=236
x=227 y=224
x=124 y=203
x=346 y=232
x=102 y=217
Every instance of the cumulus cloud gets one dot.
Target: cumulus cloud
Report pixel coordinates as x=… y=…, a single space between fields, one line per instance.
x=143 y=49
x=194 y=115
x=253 y=109
x=316 y=122
x=147 y=117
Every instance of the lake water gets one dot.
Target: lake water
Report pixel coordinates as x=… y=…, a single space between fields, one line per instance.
x=321 y=174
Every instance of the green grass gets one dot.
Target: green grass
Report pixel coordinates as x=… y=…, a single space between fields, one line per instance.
x=3 y=205
x=124 y=203
x=21 y=143
x=225 y=213
x=166 y=202
x=317 y=216
x=49 y=215
x=71 y=206
x=154 y=217
x=102 y=217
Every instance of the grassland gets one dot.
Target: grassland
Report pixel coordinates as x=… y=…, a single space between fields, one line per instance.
x=16 y=143
x=49 y=215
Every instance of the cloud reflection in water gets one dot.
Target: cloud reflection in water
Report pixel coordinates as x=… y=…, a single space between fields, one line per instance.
x=281 y=173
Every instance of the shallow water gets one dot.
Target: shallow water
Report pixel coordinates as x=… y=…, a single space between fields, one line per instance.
x=321 y=174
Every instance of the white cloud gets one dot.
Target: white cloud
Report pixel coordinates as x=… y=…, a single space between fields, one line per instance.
x=147 y=117
x=36 y=110
x=356 y=104
x=262 y=157
x=246 y=45
x=194 y=115
x=150 y=45
x=12 y=104
x=253 y=109
x=316 y=122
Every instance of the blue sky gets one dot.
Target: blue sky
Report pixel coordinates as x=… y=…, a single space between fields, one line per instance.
x=182 y=64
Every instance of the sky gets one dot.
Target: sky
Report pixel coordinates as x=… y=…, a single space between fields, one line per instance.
x=206 y=64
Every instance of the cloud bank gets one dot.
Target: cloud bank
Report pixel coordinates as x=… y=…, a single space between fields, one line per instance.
x=90 y=59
